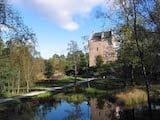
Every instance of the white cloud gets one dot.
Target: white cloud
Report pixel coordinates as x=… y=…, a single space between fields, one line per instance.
x=61 y=12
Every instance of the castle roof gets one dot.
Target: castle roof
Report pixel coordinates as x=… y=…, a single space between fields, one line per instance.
x=101 y=35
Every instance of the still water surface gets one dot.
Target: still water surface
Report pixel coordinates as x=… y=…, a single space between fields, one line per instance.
x=63 y=110
x=93 y=108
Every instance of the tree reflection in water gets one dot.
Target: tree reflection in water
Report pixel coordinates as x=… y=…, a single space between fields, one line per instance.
x=75 y=113
x=23 y=111
x=93 y=109
x=50 y=109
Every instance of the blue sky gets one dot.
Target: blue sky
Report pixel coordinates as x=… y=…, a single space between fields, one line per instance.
x=56 y=22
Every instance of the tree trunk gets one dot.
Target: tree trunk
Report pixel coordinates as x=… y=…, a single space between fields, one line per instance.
x=28 y=78
x=18 y=82
x=88 y=83
x=8 y=85
x=75 y=74
x=141 y=60
x=13 y=90
x=75 y=78
x=132 y=75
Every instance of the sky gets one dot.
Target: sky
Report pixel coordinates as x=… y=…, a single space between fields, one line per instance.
x=57 y=22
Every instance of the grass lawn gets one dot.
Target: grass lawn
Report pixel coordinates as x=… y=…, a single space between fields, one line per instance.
x=94 y=91
x=55 y=83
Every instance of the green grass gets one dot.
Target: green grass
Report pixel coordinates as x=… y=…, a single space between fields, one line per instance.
x=8 y=95
x=107 y=84
x=43 y=95
x=5 y=95
x=94 y=91
x=60 y=82
x=75 y=98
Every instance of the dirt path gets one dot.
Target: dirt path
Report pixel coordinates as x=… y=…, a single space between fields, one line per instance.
x=44 y=91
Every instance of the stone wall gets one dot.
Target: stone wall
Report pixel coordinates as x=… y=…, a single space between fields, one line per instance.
x=104 y=47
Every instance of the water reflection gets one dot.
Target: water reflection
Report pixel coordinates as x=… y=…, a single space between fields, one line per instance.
x=106 y=111
x=23 y=111
x=93 y=109
x=63 y=110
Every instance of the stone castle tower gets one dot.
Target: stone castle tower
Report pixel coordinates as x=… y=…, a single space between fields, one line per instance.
x=102 y=43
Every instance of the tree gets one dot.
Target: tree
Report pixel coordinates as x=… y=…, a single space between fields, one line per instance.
x=99 y=61
x=127 y=54
x=38 y=69
x=58 y=63
x=17 y=54
x=99 y=64
x=83 y=64
x=48 y=69
x=10 y=21
x=74 y=56
x=137 y=17
x=141 y=20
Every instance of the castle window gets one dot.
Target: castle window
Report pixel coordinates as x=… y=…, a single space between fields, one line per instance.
x=97 y=49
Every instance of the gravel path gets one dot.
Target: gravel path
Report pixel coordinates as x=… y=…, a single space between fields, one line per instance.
x=43 y=91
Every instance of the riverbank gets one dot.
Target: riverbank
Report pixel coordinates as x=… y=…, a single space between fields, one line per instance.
x=98 y=94
x=44 y=90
